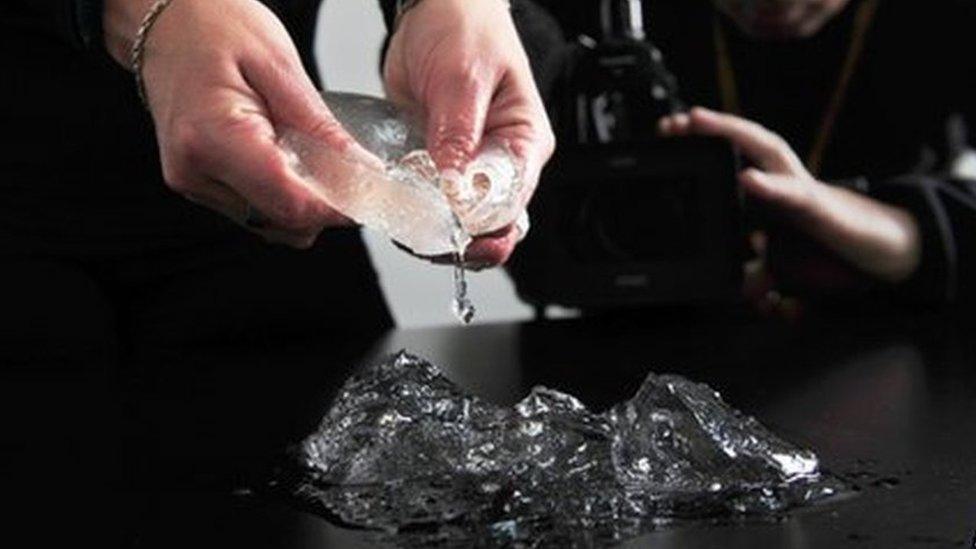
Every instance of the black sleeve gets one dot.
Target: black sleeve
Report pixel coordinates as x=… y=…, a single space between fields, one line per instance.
x=389 y=12
x=59 y=18
x=945 y=209
x=78 y=22
x=944 y=200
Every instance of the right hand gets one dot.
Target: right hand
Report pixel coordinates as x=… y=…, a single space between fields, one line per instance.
x=877 y=239
x=461 y=66
x=222 y=78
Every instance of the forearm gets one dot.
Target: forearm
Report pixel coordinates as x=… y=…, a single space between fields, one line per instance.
x=946 y=213
x=878 y=238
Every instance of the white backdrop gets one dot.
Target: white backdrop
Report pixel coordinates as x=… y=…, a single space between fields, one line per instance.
x=347 y=46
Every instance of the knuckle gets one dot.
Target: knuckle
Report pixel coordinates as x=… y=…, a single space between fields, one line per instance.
x=457 y=141
x=465 y=76
x=188 y=139
x=271 y=65
x=176 y=176
x=292 y=208
x=238 y=122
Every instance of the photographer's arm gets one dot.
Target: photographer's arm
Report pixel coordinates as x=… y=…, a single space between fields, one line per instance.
x=945 y=209
x=944 y=201
x=878 y=239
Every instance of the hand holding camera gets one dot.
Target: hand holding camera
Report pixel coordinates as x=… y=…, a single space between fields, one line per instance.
x=878 y=239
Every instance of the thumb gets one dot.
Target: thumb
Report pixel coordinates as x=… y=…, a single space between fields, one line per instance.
x=332 y=161
x=456 y=111
x=294 y=103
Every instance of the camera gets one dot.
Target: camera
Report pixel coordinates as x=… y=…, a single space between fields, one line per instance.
x=623 y=217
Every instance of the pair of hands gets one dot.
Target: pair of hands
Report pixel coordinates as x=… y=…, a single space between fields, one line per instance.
x=877 y=239
x=223 y=77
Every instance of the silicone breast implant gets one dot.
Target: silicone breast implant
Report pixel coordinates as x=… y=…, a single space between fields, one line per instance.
x=390 y=184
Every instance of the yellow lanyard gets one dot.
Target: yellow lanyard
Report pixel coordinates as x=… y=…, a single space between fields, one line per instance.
x=730 y=95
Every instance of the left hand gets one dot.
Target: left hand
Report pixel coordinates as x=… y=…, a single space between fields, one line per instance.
x=877 y=239
x=460 y=65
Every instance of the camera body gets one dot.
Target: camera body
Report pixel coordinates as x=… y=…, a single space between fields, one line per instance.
x=634 y=225
x=623 y=217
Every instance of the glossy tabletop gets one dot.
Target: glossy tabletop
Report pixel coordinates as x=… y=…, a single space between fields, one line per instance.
x=887 y=401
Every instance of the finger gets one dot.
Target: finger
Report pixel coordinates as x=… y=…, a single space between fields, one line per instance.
x=456 y=112
x=246 y=157
x=484 y=251
x=298 y=111
x=292 y=100
x=295 y=104
x=763 y=147
x=532 y=152
x=674 y=125
x=517 y=119
x=493 y=249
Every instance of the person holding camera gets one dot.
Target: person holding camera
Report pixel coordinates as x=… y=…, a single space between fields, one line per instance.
x=851 y=117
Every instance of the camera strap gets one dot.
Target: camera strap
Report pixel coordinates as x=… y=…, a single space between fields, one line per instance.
x=728 y=87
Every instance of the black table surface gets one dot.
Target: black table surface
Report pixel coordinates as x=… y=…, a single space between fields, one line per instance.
x=887 y=401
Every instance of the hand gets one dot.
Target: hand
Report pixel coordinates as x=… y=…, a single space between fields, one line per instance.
x=460 y=66
x=222 y=76
x=877 y=239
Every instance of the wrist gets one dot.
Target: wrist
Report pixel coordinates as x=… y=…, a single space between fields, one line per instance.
x=880 y=239
x=120 y=22
x=404 y=7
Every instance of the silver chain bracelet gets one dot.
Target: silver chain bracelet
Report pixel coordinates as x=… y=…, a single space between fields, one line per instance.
x=138 y=55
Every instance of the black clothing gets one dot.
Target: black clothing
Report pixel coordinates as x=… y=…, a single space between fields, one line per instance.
x=68 y=308
x=915 y=76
